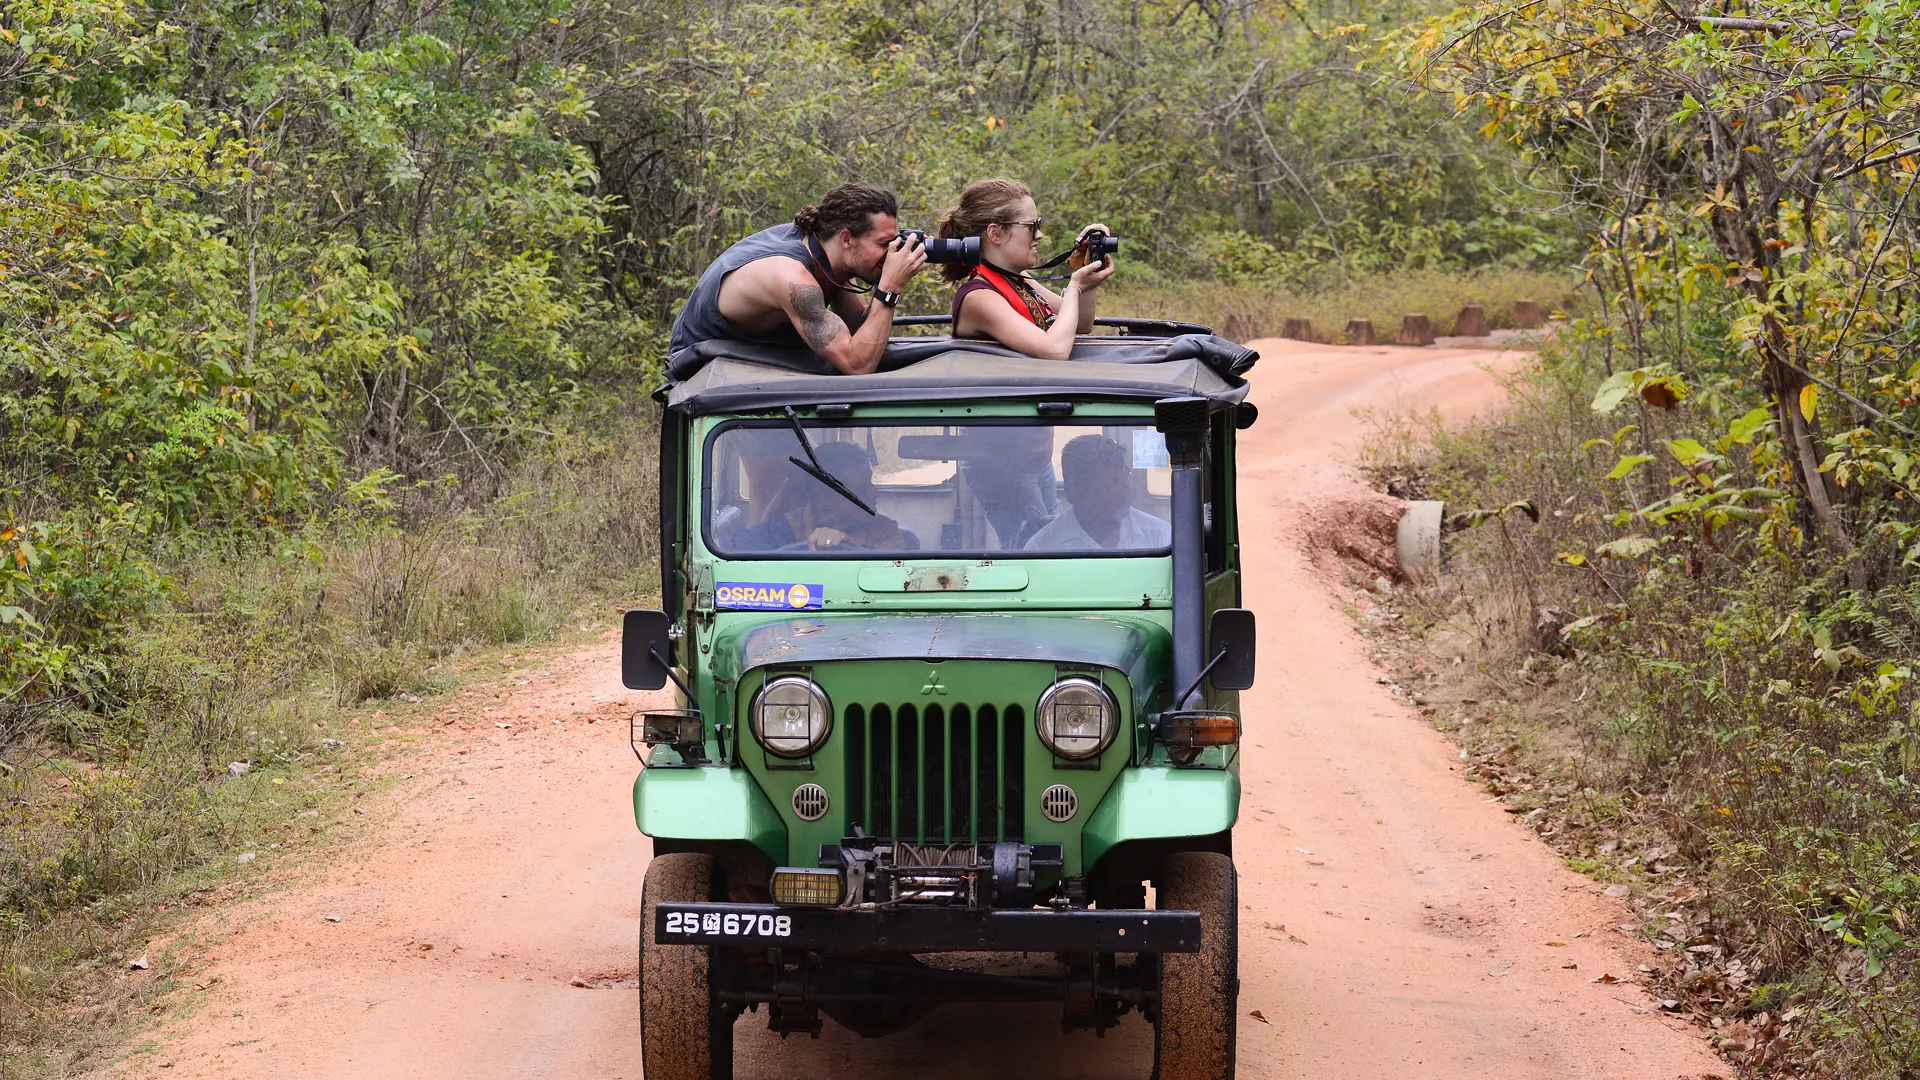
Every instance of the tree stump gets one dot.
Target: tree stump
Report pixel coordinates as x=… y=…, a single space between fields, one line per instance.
x=1297 y=329
x=1471 y=322
x=1529 y=315
x=1416 y=330
x=1360 y=332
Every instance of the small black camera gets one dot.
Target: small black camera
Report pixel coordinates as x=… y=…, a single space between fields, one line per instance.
x=965 y=250
x=1100 y=245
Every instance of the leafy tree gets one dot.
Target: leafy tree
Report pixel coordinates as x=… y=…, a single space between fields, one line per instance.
x=1768 y=153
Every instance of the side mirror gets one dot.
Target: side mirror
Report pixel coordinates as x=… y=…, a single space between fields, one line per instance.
x=644 y=649
x=1232 y=631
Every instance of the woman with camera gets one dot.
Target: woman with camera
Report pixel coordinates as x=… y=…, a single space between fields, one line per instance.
x=997 y=299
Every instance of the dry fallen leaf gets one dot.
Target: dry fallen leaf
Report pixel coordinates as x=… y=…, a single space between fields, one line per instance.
x=1557 y=944
x=1257 y=1016
x=1607 y=979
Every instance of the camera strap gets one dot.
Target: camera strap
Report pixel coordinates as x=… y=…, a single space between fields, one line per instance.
x=822 y=270
x=1016 y=292
x=1078 y=246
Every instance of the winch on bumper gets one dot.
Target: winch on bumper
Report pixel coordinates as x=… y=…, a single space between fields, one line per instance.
x=870 y=894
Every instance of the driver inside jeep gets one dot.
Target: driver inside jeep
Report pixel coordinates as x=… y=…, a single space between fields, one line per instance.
x=824 y=518
x=1099 y=482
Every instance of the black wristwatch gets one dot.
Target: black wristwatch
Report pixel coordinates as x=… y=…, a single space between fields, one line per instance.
x=881 y=296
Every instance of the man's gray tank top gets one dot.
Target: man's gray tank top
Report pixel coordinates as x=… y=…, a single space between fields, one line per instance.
x=700 y=320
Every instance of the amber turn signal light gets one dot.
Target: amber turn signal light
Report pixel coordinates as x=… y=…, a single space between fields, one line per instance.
x=1201 y=728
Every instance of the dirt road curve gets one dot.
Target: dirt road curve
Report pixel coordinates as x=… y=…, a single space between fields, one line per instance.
x=1396 y=923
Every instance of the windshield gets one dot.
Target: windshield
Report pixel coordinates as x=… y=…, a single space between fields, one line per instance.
x=1035 y=486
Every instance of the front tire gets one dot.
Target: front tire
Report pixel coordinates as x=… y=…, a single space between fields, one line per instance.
x=1199 y=991
x=685 y=1033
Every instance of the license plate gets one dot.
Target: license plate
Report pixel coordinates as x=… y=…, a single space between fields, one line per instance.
x=728 y=927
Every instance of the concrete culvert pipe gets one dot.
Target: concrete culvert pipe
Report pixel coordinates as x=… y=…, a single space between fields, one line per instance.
x=1417 y=542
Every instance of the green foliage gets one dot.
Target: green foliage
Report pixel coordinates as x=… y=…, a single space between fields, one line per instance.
x=257 y=648
x=1737 y=689
x=1737 y=558
x=1250 y=143
x=1746 y=182
x=314 y=320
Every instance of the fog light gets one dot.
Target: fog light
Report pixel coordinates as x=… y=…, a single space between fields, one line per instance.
x=676 y=728
x=800 y=885
x=682 y=729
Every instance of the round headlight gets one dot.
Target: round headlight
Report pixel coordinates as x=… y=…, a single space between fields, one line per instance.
x=790 y=716
x=1076 y=718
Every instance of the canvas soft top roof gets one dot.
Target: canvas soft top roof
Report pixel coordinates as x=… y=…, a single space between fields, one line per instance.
x=734 y=377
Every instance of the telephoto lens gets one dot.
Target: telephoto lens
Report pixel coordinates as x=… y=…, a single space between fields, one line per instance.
x=965 y=250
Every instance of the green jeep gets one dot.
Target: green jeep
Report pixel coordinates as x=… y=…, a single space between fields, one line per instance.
x=958 y=652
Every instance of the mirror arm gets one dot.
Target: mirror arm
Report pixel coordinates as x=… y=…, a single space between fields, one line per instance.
x=677 y=681
x=1181 y=701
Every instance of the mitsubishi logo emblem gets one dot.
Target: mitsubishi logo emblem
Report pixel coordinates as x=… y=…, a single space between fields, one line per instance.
x=933 y=685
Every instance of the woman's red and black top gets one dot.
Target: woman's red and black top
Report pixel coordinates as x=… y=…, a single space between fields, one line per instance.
x=1012 y=287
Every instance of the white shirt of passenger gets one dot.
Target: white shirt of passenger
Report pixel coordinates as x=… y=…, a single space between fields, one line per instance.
x=1138 y=530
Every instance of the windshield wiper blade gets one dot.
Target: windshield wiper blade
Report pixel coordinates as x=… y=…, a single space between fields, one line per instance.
x=819 y=472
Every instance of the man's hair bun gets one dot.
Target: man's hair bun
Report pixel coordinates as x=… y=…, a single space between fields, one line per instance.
x=848 y=206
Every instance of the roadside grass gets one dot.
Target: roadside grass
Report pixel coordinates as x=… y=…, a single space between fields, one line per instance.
x=1731 y=737
x=237 y=735
x=1242 y=311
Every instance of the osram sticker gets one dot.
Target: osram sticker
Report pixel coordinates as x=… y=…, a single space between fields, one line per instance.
x=768 y=596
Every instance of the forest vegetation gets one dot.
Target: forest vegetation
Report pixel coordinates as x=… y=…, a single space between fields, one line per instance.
x=1692 y=584
x=327 y=329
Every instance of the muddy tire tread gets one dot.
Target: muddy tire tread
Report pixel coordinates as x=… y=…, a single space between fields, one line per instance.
x=1199 y=992
x=682 y=1035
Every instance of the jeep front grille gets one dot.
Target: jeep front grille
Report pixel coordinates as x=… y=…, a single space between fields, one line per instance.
x=935 y=774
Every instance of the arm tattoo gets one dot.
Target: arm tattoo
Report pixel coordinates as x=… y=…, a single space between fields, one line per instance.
x=818 y=326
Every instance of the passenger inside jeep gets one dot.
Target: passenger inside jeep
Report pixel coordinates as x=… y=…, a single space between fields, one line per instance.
x=824 y=518
x=1102 y=516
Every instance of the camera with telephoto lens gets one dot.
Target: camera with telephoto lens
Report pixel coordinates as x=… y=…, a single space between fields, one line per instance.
x=964 y=250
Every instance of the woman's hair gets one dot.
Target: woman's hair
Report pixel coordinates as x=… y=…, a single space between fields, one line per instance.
x=983 y=203
x=848 y=206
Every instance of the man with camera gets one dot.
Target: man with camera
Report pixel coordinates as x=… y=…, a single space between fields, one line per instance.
x=792 y=284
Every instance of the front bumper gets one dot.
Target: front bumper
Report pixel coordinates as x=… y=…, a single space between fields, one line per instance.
x=927 y=929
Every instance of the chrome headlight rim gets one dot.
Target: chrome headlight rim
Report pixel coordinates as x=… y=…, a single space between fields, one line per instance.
x=1043 y=716
x=819 y=703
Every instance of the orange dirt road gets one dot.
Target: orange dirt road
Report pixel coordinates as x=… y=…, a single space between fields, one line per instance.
x=1396 y=923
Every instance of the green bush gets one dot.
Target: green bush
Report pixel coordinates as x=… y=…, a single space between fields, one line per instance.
x=249 y=648
x=1738 y=690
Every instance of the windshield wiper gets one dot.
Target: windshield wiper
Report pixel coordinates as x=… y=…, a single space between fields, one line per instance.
x=818 y=472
